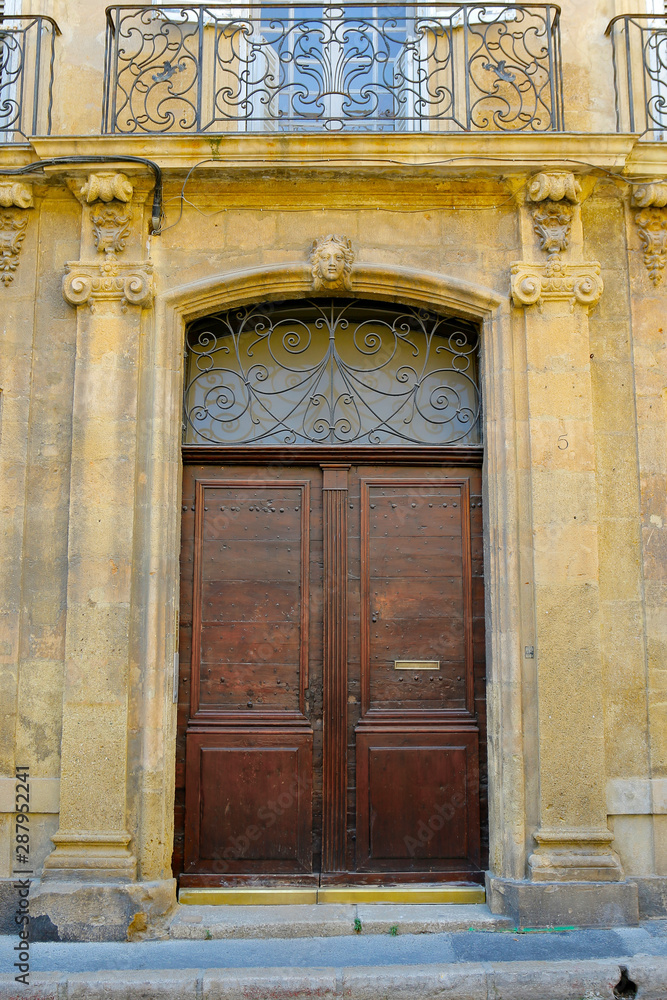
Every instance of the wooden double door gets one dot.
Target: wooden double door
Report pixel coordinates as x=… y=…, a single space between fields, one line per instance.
x=331 y=690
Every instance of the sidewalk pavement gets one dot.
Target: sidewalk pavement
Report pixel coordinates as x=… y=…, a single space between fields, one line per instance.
x=622 y=963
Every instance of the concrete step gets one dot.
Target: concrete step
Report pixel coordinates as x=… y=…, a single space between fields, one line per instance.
x=330 y=920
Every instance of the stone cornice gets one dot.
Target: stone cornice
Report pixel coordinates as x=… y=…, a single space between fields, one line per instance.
x=533 y=284
x=348 y=153
x=126 y=282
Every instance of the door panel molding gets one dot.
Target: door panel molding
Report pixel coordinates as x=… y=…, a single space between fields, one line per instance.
x=219 y=714
x=248 y=802
x=418 y=800
x=418 y=715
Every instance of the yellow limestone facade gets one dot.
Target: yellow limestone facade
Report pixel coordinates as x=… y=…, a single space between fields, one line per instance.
x=555 y=242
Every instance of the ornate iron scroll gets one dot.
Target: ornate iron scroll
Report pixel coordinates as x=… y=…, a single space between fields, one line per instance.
x=639 y=50
x=331 y=371
x=27 y=52
x=364 y=67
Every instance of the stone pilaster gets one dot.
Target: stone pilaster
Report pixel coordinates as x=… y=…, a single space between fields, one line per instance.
x=573 y=842
x=109 y=295
x=92 y=840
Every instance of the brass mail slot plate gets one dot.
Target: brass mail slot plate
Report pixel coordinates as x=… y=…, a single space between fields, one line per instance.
x=416 y=664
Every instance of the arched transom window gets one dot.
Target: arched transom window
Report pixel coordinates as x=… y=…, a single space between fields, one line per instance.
x=331 y=371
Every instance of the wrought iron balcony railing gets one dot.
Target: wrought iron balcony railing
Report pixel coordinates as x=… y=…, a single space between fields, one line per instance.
x=639 y=50
x=27 y=51
x=362 y=67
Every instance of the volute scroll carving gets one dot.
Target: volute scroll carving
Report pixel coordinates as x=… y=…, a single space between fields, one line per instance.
x=579 y=284
x=554 y=185
x=653 y=195
x=128 y=283
x=15 y=194
x=106 y=186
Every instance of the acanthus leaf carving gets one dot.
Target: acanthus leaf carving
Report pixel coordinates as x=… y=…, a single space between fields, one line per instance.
x=13 y=225
x=579 y=284
x=128 y=283
x=652 y=229
x=331 y=259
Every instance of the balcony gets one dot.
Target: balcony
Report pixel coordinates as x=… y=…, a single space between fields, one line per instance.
x=27 y=52
x=276 y=68
x=639 y=52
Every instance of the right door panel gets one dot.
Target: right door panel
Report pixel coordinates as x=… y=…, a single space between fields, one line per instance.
x=417 y=737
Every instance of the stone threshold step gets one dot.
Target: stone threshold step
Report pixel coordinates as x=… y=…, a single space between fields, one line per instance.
x=305 y=895
x=546 y=980
x=330 y=920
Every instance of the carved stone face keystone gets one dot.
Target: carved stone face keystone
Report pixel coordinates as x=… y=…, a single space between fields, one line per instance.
x=331 y=262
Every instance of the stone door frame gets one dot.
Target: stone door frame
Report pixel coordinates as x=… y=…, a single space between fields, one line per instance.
x=161 y=409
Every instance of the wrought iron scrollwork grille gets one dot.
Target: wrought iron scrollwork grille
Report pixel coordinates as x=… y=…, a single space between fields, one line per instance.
x=27 y=53
x=639 y=49
x=331 y=371
x=363 y=67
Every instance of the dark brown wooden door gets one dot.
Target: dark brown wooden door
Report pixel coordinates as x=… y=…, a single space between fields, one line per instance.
x=331 y=703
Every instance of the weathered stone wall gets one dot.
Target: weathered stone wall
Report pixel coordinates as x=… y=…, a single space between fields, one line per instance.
x=576 y=456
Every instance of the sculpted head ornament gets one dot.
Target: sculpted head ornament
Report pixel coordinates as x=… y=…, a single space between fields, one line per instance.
x=331 y=260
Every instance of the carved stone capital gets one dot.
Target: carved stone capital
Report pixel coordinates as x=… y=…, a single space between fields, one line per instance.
x=331 y=259
x=653 y=195
x=555 y=185
x=128 y=283
x=13 y=225
x=106 y=186
x=533 y=284
x=15 y=193
x=652 y=229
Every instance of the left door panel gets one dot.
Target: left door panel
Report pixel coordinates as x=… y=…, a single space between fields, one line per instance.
x=252 y=632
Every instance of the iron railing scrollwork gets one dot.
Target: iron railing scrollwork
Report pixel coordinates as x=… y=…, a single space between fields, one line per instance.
x=639 y=52
x=331 y=371
x=27 y=53
x=364 y=67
